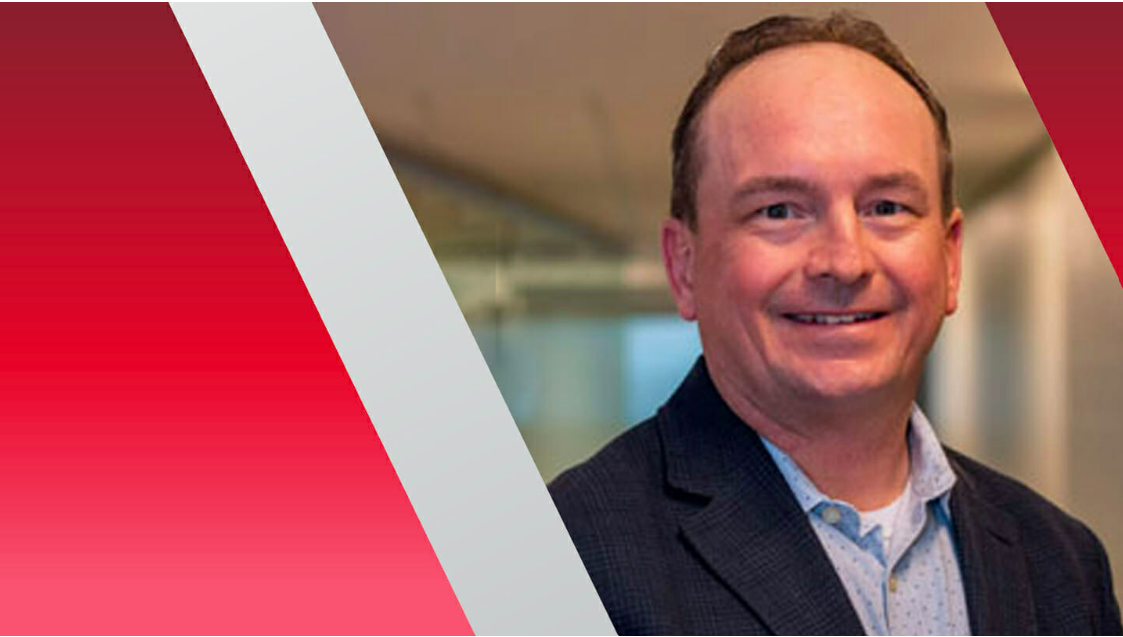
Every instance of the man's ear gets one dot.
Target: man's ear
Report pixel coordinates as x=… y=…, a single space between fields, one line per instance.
x=953 y=253
x=678 y=260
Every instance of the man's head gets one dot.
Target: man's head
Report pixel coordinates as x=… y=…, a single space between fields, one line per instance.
x=776 y=32
x=817 y=248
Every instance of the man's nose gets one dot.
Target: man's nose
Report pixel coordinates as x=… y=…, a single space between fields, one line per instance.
x=841 y=251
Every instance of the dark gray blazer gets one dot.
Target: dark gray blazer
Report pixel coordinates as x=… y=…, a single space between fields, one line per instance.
x=686 y=526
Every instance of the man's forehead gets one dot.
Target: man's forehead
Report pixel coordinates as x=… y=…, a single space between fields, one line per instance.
x=807 y=93
x=817 y=66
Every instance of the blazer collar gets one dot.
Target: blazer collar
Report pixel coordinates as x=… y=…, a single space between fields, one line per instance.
x=991 y=561
x=750 y=531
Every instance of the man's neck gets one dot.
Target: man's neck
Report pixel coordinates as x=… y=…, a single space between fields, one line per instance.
x=854 y=451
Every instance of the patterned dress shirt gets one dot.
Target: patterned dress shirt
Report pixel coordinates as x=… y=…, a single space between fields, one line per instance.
x=911 y=584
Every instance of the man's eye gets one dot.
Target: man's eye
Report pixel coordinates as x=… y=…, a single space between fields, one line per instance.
x=776 y=211
x=886 y=208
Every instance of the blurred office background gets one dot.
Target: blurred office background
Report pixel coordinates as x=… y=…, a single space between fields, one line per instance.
x=532 y=143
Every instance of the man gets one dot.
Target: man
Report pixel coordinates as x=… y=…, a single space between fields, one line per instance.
x=790 y=485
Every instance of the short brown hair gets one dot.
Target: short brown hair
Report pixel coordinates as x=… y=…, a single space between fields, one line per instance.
x=773 y=33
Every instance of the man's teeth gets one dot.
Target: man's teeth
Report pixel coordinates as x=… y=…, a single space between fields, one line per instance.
x=834 y=319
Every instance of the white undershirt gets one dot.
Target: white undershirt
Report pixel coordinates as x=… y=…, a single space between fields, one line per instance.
x=885 y=517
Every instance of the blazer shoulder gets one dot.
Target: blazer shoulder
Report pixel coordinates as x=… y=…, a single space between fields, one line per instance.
x=1029 y=510
x=623 y=526
x=627 y=468
x=1059 y=549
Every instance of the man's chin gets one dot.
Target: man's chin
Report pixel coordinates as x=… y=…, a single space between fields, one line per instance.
x=843 y=384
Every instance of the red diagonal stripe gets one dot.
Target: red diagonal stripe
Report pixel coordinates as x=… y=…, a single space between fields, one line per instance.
x=1068 y=56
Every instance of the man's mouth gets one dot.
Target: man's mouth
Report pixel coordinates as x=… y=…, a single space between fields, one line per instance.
x=833 y=319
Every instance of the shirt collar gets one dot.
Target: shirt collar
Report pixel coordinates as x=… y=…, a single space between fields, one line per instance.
x=930 y=474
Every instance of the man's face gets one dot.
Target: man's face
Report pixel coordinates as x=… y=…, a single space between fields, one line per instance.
x=821 y=266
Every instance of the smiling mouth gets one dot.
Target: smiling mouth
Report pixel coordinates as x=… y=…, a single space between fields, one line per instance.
x=834 y=319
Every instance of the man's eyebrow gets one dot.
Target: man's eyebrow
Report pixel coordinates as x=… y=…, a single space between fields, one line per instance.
x=773 y=183
x=905 y=179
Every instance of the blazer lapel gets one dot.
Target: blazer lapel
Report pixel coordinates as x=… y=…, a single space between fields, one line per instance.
x=992 y=564
x=751 y=533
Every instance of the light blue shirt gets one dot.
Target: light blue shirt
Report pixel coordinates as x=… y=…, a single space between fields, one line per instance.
x=914 y=587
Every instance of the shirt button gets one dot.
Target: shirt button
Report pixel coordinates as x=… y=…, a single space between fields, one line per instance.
x=831 y=515
x=892 y=583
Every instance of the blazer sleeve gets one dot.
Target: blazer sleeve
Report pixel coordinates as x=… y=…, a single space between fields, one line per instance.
x=1110 y=622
